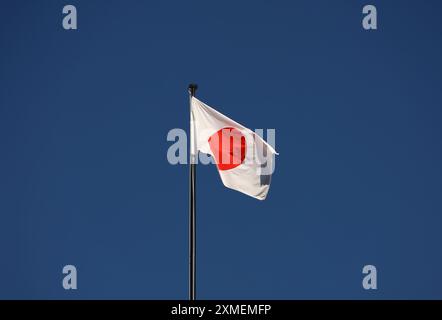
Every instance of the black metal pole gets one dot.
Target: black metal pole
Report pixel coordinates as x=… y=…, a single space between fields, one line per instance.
x=192 y=208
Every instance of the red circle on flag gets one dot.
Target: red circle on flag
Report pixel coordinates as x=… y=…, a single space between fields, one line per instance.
x=228 y=146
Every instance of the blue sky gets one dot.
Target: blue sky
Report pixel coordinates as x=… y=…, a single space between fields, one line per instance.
x=84 y=177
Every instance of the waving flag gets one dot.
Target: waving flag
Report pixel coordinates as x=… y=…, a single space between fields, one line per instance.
x=244 y=160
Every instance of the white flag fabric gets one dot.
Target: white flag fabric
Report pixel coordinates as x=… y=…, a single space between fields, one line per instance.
x=244 y=160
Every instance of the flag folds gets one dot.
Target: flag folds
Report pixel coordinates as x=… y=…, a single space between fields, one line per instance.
x=244 y=160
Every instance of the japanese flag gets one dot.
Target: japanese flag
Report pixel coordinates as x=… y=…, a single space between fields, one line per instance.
x=244 y=160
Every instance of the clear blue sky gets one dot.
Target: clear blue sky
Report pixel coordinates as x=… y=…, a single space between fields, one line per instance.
x=84 y=178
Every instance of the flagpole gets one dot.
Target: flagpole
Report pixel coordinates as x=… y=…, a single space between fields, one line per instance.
x=192 y=208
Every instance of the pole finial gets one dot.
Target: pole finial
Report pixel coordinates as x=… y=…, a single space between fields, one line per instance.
x=192 y=88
